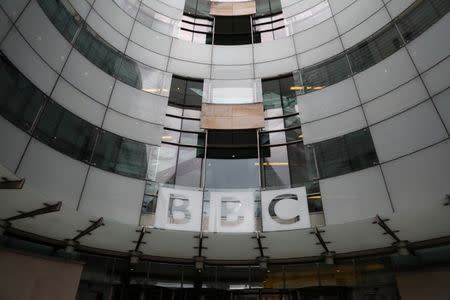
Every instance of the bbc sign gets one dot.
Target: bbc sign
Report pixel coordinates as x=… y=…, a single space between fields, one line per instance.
x=232 y=211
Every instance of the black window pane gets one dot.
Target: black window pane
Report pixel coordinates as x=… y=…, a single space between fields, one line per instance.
x=369 y=53
x=326 y=73
x=194 y=91
x=98 y=51
x=352 y=152
x=65 y=132
x=122 y=156
x=63 y=17
x=271 y=94
x=20 y=100
x=416 y=20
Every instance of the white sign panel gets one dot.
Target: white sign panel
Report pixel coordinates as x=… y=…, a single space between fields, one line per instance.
x=232 y=212
x=285 y=209
x=179 y=209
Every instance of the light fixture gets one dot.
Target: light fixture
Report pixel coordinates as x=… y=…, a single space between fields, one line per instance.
x=402 y=248
x=329 y=257
x=262 y=261
x=134 y=257
x=70 y=247
x=199 y=263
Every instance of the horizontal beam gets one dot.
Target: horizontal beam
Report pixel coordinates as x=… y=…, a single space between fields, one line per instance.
x=40 y=211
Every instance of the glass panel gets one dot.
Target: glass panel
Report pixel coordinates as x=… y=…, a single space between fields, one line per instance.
x=194 y=139
x=171 y=136
x=232 y=91
x=65 y=132
x=122 y=156
x=345 y=154
x=63 y=17
x=20 y=101
x=98 y=51
x=413 y=22
x=189 y=166
x=167 y=163
x=271 y=94
x=324 y=74
x=287 y=166
x=368 y=53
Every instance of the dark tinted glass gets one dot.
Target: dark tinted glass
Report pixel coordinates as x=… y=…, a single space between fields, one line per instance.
x=415 y=21
x=65 y=19
x=369 y=53
x=65 y=132
x=349 y=153
x=20 y=100
x=119 y=155
x=326 y=73
x=234 y=30
x=97 y=51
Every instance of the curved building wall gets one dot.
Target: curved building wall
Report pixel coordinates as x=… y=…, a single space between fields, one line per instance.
x=401 y=98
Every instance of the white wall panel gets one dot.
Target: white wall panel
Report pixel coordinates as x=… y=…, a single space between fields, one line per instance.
x=81 y=6
x=112 y=196
x=145 y=106
x=315 y=36
x=78 y=103
x=195 y=70
x=43 y=36
x=114 y=16
x=148 y=57
x=232 y=72
x=57 y=176
x=5 y=24
x=356 y=13
x=396 y=101
x=273 y=50
x=164 y=8
x=301 y=243
x=442 y=102
x=297 y=7
x=410 y=131
x=87 y=77
x=329 y=101
x=232 y=55
x=334 y=126
x=354 y=196
x=151 y=39
x=338 y=5
x=395 y=7
x=276 y=67
x=431 y=46
x=13 y=145
x=13 y=8
x=192 y=52
x=366 y=29
x=419 y=181
x=320 y=53
x=132 y=128
x=436 y=79
x=28 y=62
x=223 y=246
x=107 y=32
x=385 y=76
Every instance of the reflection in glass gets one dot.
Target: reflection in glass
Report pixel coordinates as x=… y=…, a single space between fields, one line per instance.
x=65 y=132
x=123 y=156
x=20 y=100
x=189 y=166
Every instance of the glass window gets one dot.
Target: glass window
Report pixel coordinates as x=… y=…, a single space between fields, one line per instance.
x=424 y=14
x=167 y=162
x=122 y=156
x=368 y=53
x=63 y=17
x=326 y=73
x=287 y=166
x=97 y=51
x=20 y=100
x=65 y=132
x=189 y=166
x=345 y=154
